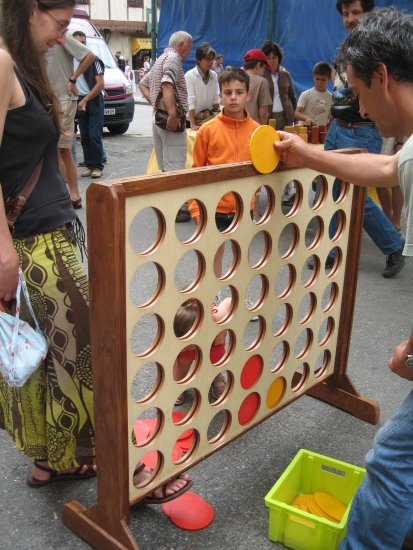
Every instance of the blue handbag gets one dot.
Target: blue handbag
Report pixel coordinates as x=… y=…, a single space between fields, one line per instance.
x=22 y=348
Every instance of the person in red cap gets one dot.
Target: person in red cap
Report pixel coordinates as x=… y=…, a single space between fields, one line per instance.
x=255 y=63
x=281 y=85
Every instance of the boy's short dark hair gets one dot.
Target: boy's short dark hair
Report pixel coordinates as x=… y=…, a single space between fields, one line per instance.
x=251 y=64
x=204 y=51
x=83 y=35
x=272 y=47
x=322 y=68
x=232 y=73
x=366 y=5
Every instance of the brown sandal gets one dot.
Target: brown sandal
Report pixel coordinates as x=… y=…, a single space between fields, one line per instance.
x=80 y=473
x=149 y=499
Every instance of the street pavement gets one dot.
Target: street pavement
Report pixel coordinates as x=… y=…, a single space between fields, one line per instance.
x=235 y=480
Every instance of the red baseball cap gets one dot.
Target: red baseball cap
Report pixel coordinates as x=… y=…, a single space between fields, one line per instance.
x=256 y=55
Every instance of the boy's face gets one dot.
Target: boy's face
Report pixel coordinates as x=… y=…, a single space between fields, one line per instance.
x=234 y=96
x=320 y=82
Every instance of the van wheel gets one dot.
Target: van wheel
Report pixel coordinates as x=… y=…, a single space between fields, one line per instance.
x=118 y=128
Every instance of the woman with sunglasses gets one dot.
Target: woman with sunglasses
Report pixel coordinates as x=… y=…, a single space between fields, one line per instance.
x=51 y=417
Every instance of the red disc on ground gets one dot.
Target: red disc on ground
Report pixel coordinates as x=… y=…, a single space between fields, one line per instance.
x=185 y=443
x=177 y=452
x=177 y=416
x=248 y=408
x=168 y=506
x=189 y=512
x=151 y=423
x=142 y=431
x=251 y=371
x=150 y=460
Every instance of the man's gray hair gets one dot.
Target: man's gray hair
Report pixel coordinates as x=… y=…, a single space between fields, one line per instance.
x=178 y=37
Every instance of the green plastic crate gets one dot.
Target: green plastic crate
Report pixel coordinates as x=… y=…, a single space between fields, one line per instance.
x=308 y=473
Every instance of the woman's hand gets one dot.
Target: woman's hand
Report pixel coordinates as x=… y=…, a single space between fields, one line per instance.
x=9 y=271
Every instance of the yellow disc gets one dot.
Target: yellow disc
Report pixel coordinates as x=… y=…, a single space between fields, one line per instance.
x=314 y=508
x=264 y=157
x=301 y=502
x=330 y=505
x=275 y=392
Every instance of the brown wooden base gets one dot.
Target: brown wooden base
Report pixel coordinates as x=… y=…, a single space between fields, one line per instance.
x=82 y=522
x=343 y=395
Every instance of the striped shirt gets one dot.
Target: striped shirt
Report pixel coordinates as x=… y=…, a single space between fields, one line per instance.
x=167 y=68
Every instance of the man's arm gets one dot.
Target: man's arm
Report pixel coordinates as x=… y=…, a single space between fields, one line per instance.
x=97 y=89
x=397 y=362
x=84 y=64
x=263 y=114
x=361 y=169
x=168 y=94
x=144 y=88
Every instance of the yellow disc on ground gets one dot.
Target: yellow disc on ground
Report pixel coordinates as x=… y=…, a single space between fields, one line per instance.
x=264 y=157
x=330 y=505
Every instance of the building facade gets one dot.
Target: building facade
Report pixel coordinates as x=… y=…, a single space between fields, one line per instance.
x=124 y=25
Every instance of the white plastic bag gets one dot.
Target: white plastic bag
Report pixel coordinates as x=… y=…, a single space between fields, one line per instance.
x=22 y=348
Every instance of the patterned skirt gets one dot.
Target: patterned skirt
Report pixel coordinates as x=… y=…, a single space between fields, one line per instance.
x=51 y=416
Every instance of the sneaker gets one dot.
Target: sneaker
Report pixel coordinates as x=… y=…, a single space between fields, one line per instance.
x=87 y=173
x=329 y=263
x=96 y=173
x=394 y=264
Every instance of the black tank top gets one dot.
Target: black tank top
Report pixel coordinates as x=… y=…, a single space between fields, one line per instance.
x=30 y=134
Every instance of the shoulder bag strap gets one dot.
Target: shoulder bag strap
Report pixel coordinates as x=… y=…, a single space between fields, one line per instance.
x=15 y=206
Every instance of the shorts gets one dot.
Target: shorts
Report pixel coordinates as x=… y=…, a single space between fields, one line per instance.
x=68 y=108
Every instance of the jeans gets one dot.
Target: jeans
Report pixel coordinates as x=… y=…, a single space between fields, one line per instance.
x=91 y=127
x=376 y=223
x=382 y=509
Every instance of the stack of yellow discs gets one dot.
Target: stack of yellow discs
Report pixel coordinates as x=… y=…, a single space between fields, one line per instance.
x=322 y=505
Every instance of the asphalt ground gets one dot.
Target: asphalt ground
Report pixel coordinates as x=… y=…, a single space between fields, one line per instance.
x=236 y=479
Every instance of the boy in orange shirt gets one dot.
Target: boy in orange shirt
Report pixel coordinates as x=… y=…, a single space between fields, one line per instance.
x=225 y=139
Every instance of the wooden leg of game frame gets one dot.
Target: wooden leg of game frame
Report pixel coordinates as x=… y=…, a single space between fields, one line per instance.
x=343 y=395
x=338 y=390
x=83 y=522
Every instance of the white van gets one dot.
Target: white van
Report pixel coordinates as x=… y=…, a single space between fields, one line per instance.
x=119 y=101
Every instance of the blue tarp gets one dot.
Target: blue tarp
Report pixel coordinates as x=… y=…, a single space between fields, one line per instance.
x=308 y=30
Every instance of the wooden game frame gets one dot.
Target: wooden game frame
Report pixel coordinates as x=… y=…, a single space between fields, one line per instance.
x=105 y=526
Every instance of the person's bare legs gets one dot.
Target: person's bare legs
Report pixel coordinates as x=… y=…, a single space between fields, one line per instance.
x=68 y=169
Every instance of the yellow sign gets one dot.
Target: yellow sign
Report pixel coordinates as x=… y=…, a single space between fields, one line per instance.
x=140 y=44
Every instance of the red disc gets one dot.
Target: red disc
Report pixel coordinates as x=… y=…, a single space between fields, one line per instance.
x=151 y=423
x=177 y=453
x=177 y=416
x=248 y=408
x=189 y=512
x=142 y=431
x=150 y=460
x=251 y=371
